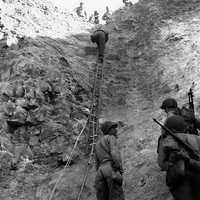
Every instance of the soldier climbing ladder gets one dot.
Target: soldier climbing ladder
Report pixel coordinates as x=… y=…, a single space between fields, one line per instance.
x=100 y=38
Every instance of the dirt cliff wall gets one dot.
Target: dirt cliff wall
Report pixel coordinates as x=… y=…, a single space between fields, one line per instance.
x=156 y=56
x=152 y=53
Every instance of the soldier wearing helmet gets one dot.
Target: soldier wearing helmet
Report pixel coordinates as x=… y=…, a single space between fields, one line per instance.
x=170 y=106
x=108 y=181
x=171 y=155
x=80 y=11
x=167 y=159
x=96 y=17
x=107 y=16
x=177 y=125
x=182 y=171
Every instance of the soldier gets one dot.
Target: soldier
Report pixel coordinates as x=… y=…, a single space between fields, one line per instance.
x=107 y=16
x=80 y=11
x=170 y=106
x=177 y=124
x=100 y=37
x=96 y=17
x=91 y=18
x=182 y=171
x=108 y=181
x=127 y=3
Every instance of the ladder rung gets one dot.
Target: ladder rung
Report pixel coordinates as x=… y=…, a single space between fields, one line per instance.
x=95 y=104
x=93 y=115
x=93 y=122
x=94 y=136
x=93 y=144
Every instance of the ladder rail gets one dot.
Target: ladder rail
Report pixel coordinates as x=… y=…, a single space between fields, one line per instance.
x=93 y=120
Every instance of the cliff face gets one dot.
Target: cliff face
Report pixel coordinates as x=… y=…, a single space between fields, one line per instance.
x=39 y=17
x=45 y=81
x=45 y=93
x=155 y=56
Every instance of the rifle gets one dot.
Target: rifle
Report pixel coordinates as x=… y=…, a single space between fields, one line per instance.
x=191 y=107
x=195 y=154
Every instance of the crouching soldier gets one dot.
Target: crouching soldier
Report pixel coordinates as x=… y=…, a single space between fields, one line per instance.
x=108 y=181
x=100 y=37
x=182 y=170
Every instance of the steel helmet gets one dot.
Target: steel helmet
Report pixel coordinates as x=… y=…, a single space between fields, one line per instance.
x=169 y=103
x=176 y=123
x=106 y=126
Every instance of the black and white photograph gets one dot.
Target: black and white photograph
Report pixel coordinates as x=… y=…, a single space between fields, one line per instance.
x=99 y=99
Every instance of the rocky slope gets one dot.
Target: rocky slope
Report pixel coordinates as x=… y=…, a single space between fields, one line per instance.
x=156 y=56
x=45 y=94
x=153 y=53
x=39 y=17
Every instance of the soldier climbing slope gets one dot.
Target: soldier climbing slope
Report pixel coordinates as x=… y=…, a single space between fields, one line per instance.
x=170 y=106
x=91 y=18
x=127 y=3
x=181 y=165
x=108 y=181
x=96 y=17
x=100 y=37
x=107 y=15
x=80 y=11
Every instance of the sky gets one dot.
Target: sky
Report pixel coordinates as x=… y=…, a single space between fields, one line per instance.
x=91 y=5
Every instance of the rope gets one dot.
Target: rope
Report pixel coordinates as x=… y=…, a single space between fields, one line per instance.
x=85 y=177
x=88 y=167
x=75 y=145
x=68 y=162
x=94 y=110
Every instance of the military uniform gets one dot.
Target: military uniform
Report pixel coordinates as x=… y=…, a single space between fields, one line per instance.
x=107 y=16
x=127 y=3
x=96 y=17
x=100 y=37
x=171 y=107
x=182 y=172
x=80 y=11
x=108 y=181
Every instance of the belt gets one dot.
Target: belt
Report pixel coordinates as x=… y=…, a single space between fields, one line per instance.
x=100 y=30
